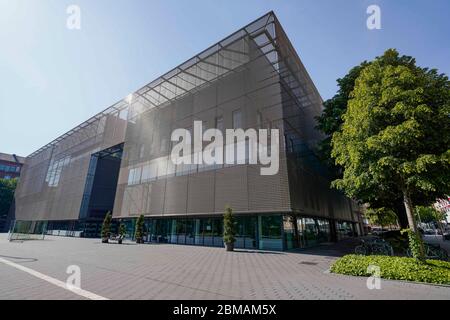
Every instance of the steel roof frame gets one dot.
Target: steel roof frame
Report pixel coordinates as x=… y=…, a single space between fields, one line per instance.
x=170 y=77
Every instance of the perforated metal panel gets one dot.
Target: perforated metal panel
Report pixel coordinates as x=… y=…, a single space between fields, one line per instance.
x=255 y=72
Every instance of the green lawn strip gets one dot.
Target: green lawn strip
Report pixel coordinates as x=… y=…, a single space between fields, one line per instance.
x=394 y=268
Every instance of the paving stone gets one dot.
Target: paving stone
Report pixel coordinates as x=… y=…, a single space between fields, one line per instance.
x=167 y=271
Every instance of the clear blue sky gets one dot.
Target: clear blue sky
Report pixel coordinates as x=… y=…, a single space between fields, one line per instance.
x=52 y=78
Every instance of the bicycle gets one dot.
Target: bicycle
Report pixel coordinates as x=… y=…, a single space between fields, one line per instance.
x=432 y=251
x=376 y=247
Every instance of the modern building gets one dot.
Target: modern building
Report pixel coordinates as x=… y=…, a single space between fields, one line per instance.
x=443 y=205
x=10 y=165
x=119 y=160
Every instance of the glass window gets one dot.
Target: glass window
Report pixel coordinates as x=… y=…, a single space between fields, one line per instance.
x=290 y=234
x=162 y=167
x=149 y=172
x=190 y=231
x=218 y=232
x=146 y=173
x=123 y=114
x=246 y=232
x=344 y=229
x=130 y=177
x=181 y=231
x=137 y=175
x=198 y=232
x=55 y=169
x=207 y=230
x=324 y=231
x=134 y=176
x=271 y=227
x=270 y=232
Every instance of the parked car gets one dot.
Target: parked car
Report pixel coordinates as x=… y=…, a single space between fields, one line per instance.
x=376 y=231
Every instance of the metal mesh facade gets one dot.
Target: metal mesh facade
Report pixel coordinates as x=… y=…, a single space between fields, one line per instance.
x=253 y=78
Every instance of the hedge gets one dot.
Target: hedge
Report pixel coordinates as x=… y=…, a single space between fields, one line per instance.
x=394 y=268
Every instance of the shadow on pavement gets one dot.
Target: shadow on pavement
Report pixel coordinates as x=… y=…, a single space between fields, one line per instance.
x=22 y=260
x=337 y=249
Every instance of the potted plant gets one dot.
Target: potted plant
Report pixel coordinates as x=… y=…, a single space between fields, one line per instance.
x=106 y=228
x=139 y=233
x=122 y=232
x=229 y=229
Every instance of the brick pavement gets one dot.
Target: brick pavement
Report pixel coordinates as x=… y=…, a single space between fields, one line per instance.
x=166 y=271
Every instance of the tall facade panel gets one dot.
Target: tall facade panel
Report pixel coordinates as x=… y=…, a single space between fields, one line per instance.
x=176 y=195
x=246 y=97
x=54 y=180
x=201 y=193
x=231 y=189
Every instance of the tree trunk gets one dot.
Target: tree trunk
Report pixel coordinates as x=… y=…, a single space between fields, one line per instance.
x=401 y=214
x=412 y=225
x=409 y=211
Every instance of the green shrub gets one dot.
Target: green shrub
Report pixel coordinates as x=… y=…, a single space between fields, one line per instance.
x=106 y=227
x=139 y=232
x=415 y=244
x=395 y=268
x=398 y=241
x=229 y=226
x=122 y=230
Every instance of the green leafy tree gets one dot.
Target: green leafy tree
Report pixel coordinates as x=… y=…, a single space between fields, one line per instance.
x=139 y=232
x=106 y=227
x=7 y=189
x=381 y=216
x=415 y=244
x=229 y=226
x=395 y=135
x=429 y=214
x=331 y=120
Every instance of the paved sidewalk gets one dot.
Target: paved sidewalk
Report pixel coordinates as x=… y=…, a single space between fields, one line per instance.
x=166 y=271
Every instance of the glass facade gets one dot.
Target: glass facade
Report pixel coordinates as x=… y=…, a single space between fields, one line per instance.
x=304 y=232
x=266 y=232
x=9 y=168
x=208 y=231
x=345 y=229
x=270 y=230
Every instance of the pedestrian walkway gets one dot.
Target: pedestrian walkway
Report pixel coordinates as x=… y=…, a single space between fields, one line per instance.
x=165 y=271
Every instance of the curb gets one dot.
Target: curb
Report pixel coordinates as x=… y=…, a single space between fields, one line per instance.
x=328 y=271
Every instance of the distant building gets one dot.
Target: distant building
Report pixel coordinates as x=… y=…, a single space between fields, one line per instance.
x=443 y=205
x=10 y=168
x=10 y=165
